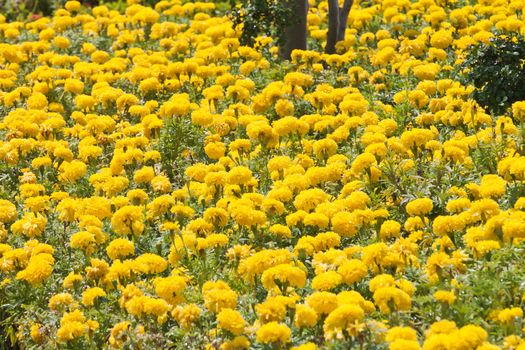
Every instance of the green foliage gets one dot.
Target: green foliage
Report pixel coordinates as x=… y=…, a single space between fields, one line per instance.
x=23 y=9
x=178 y=141
x=491 y=283
x=496 y=70
x=261 y=17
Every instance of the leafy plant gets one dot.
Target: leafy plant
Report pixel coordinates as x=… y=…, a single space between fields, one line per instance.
x=177 y=142
x=258 y=17
x=496 y=70
x=22 y=9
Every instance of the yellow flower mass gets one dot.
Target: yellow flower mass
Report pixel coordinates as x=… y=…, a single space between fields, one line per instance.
x=164 y=186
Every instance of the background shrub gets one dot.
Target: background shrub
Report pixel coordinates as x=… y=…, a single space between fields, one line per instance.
x=497 y=71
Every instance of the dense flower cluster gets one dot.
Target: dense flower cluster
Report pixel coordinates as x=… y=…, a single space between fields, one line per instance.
x=165 y=187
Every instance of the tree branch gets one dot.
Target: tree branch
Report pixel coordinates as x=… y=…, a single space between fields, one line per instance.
x=343 y=19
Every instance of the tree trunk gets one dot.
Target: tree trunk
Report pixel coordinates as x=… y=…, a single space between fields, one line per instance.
x=337 y=20
x=343 y=19
x=333 y=26
x=295 y=34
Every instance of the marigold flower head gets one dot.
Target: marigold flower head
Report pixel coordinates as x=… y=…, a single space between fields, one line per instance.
x=231 y=321
x=273 y=333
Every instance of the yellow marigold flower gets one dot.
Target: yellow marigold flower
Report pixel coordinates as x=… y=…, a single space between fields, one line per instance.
x=39 y=268
x=492 y=186
x=441 y=327
x=509 y=315
x=99 y=56
x=71 y=279
x=156 y=307
x=215 y=150
x=306 y=346
x=309 y=199
x=84 y=240
x=438 y=341
x=363 y=162
x=171 y=288
x=97 y=269
x=385 y=297
x=160 y=183
x=326 y=281
x=90 y=294
x=273 y=333
x=379 y=281
x=283 y=275
x=345 y=318
x=390 y=229
x=61 y=42
x=316 y=220
x=72 y=171
x=426 y=72
x=444 y=296
x=74 y=86
x=416 y=138
x=31 y=225
x=57 y=301
x=239 y=251
x=352 y=271
x=85 y=102
x=186 y=315
x=419 y=207
x=128 y=220
x=36 y=333
x=37 y=101
x=405 y=333
x=384 y=56
x=305 y=316
x=344 y=223
x=513 y=341
x=284 y=108
x=353 y=297
x=178 y=105
x=458 y=205
x=214 y=240
x=322 y=302
x=239 y=175
x=150 y=263
x=72 y=325
x=271 y=310
x=72 y=6
x=472 y=335
x=441 y=39
x=202 y=117
x=246 y=216
x=445 y=225
x=518 y=110
x=238 y=343
x=118 y=334
x=403 y=344
x=299 y=79
x=481 y=248
x=150 y=84
x=484 y=208
x=231 y=321
x=520 y=203
x=145 y=305
x=120 y=248
x=8 y=212
x=144 y=175
x=218 y=295
x=280 y=230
